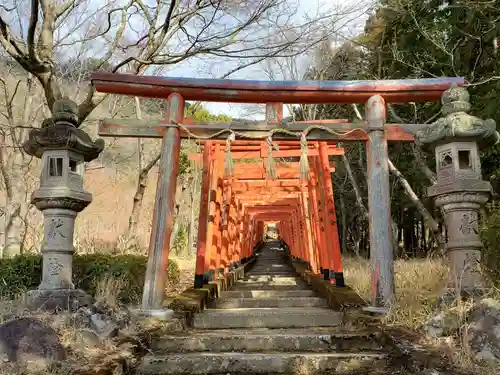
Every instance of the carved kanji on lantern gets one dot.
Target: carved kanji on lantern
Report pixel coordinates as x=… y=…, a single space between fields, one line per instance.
x=63 y=148
x=456 y=140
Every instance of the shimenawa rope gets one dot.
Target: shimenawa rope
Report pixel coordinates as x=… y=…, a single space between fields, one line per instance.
x=271 y=162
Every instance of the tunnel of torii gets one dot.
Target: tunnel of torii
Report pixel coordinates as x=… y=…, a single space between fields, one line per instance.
x=239 y=199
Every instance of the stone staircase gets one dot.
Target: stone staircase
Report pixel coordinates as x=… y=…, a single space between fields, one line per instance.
x=270 y=323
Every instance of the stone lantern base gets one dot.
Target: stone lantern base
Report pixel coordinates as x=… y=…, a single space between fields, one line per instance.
x=58 y=299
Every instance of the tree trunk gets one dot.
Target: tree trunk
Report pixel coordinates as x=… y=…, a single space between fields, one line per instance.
x=142 y=183
x=343 y=222
x=191 y=226
x=180 y=210
x=431 y=176
x=175 y=232
x=357 y=191
x=13 y=220
x=429 y=220
x=13 y=167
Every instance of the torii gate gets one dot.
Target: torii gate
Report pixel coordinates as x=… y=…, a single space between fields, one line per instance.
x=373 y=130
x=246 y=187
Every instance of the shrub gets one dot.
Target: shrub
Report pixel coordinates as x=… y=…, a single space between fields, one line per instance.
x=181 y=240
x=24 y=272
x=490 y=234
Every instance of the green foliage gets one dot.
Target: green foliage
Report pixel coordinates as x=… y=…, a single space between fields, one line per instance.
x=22 y=273
x=184 y=163
x=202 y=114
x=490 y=234
x=423 y=39
x=181 y=240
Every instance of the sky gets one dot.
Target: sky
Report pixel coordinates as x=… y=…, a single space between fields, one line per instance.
x=194 y=69
x=198 y=68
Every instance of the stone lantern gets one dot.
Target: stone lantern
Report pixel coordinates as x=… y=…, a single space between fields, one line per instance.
x=63 y=148
x=460 y=192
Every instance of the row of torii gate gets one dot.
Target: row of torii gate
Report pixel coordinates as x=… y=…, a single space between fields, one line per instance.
x=238 y=199
x=234 y=217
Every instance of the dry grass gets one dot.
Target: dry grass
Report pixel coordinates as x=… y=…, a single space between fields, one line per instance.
x=418 y=284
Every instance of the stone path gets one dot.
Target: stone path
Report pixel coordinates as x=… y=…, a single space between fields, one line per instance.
x=270 y=323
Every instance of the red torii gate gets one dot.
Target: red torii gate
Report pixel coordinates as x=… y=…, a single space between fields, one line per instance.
x=251 y=181
x=238 y=246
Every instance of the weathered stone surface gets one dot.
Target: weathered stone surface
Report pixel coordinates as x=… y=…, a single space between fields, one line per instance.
x=63 y=148
x=460 y=192
x=62 y=132
x=233 y=303
x=257 y=363
x=265 y=340
x=269 y=293
x=482 y=336
x=457 y=123
x=269 y=324
x=445 y=323
x=59 y=299
x=29 y=343
x=270 y=318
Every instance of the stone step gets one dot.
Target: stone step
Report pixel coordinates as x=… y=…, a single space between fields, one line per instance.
x=273 y=273
x=272 y=281
x=268 y=340
x=281 y=284
x=265 y=286
x=258 y=363
x=233 y=303
x=278 y=265
x=271 y=277
x=267 y=318
x=271 y=263
x=272 y=293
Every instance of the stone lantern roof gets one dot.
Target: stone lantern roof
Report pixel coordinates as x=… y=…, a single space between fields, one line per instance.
x=61 y=132
x=457 y=125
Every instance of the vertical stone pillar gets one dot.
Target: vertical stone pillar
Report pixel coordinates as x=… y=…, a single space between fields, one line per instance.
x=456 y=139
x=63 y=148
x=379 y=204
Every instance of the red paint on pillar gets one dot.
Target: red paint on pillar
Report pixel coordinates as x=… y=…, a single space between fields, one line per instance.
x=201 y=252
x=336 y=259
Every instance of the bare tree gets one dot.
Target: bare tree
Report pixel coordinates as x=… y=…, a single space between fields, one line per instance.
x=61 y=41
x=19 y=109
x=134 y=35
x=144 y=167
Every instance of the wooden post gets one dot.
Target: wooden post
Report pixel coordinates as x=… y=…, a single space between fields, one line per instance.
x=308 y=229
x=210 y=257
x=322 y=208
x=318 y=235
x=300 y=232
x=379 y=203
x=217 y=237
x=331 y=217
x=241 y=228
x=232 y=232
x=274 y=112
x=226 y=217
x=156 y=272
x=203 y=217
